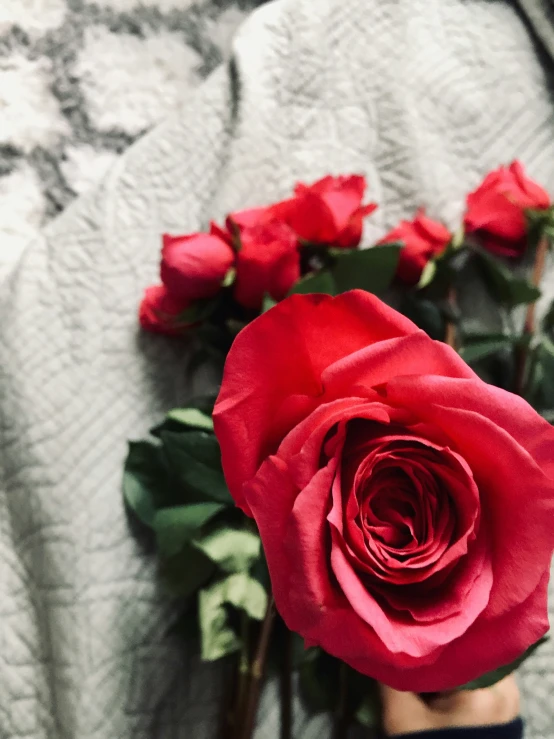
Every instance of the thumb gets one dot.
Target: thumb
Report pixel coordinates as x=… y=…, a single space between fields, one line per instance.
x=402 y=712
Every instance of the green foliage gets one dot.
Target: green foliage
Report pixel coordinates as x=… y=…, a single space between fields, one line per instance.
x=428 y=274
x=195 y=458
x=231 y=549
x=491 y=678
x=426 y=314
x=480 y=346
x=268 y=303
x=208 y=549
x=506 y=286
x=242 y=592
x=199 y=311
x=176 y=526
x=320 y=677
x=144 y=480
x=184 y=573
x=229 y=278
x=191 y=418
x=317 y=282
x=547 y=323
x=438 y=274
x=319 y=680
x=368 y=713
x=372 y=270
x=540 y=385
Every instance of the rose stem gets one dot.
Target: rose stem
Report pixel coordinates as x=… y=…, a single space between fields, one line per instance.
x=529 y=325
x=242 y=674
x=450 y=333
x=286 y=686
x=340 y=730
x=228 y=706
x=257 y=671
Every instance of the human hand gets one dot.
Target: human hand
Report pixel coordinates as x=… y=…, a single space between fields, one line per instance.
x=407 y=713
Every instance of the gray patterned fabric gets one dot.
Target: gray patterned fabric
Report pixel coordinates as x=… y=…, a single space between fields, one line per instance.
x=423 y=97
x=80 y=80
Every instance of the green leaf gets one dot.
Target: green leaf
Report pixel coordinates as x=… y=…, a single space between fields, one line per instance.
x=217 y=638
x=475 y=350
x=366 y=269
x=507 y=287
x=319 y=680
x=491 y=678
x=235 y=326
x=260 y=572
x=229 y=278
x=544 y=373
x=318 y=282
x=144 y=480
x=175 y=527
x=428 y=274
x=458 y=240
x=198 y=311
x=368 y=713
x=240 y=591
x=547 y=323
x=186 y=572
x=191 y=417
x=425 y=314
x=231 y=549
x=195 y=458
x=268 y=303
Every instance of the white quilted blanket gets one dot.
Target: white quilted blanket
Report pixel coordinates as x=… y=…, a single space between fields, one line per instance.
x=422 y=96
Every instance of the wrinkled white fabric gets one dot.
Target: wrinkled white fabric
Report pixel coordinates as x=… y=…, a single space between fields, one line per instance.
x=423 y=97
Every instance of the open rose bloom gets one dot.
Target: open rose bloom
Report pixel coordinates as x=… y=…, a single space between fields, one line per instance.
x=406 y=508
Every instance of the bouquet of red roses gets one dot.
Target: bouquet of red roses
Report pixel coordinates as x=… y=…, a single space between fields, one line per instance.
x=375 y=483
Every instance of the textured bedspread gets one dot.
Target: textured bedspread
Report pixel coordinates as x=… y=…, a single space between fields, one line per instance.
x=422 y=97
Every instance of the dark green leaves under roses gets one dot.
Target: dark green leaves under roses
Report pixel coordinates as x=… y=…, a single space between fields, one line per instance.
x=209 y=551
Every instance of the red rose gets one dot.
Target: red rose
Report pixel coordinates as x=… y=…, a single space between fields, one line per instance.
x=328 y=212
x=249 y=218
x=423 y=239
x=267 y=262
x=159 y=311
x=405 y=506
x=496 y=210
x=195 y=265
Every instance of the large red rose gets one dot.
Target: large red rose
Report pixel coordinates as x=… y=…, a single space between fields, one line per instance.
x=423 y=239
x=495 y=211
x=328 y=212
x=159 y=311
x=195 y=265
x=406 y=508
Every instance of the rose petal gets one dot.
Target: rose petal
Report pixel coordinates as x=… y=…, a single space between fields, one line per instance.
x=375 y=364
x=396 y=629
x=287 y=349
x=532 y=194
x=480 y=440
x=487 y=645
